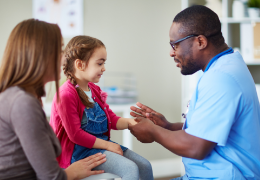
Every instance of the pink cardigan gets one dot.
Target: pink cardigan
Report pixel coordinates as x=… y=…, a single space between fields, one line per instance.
x=66 y=120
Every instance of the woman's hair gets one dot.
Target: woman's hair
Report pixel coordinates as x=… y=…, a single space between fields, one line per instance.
x=31 y=47
x=79 y=47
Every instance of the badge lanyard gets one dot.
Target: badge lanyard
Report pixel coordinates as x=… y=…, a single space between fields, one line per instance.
x=229 y=51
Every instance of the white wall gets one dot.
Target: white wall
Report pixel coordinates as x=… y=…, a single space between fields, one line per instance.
x=11 y=13
x=135 y=33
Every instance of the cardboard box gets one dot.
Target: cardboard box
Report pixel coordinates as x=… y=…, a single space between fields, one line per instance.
x=256 y=28
x=250 y=41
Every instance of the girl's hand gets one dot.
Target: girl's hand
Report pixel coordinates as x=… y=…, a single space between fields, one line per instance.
x=131 y=122
x=113 y=147
x=83 y=168
x=144 y=130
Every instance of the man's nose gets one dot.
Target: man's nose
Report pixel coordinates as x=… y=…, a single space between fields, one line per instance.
x=172 y=52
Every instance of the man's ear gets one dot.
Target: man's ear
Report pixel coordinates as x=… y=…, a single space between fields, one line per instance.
x=202 y=42
x=79 y=64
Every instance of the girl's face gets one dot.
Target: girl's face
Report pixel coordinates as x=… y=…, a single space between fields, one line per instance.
x=95 y=66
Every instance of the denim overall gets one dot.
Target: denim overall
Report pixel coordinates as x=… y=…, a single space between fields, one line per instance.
x=96 y=125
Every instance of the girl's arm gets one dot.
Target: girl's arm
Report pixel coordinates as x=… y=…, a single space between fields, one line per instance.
x=107 y=145
x=67 y=109
x=123 y=123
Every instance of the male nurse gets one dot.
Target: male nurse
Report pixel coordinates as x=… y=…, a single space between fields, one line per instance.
x=220 y=138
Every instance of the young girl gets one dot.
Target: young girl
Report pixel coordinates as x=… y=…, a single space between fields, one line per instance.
x=82 y=119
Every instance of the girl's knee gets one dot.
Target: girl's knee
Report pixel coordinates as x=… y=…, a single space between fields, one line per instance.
x=145 y=164
x=146 y=171
x=130 y=171
x=132 y=166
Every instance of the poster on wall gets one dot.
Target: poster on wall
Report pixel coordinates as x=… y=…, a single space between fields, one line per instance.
x=68 y=14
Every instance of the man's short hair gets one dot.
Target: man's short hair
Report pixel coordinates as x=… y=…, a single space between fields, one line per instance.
x=200 y=20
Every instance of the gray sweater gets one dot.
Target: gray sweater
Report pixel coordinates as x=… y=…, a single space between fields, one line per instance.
x=28 y=145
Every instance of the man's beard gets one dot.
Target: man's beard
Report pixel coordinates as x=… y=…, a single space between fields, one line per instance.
x=191 y=65
x=190 y=68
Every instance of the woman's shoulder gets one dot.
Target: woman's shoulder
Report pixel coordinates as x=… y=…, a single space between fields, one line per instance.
x=18 y=96
x=15 y=100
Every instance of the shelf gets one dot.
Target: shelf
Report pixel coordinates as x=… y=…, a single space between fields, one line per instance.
x=252 y=63
x=240 y=20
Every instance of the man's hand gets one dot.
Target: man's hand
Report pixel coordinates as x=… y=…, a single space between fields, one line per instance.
x=149 y=113
x=143 y=130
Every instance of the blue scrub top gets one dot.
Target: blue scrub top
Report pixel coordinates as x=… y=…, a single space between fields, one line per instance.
x=225 y=109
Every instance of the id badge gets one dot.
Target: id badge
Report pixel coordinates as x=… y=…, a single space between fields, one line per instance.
x=184 y=115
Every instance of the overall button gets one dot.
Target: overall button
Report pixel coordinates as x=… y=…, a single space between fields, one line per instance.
x=104 y=108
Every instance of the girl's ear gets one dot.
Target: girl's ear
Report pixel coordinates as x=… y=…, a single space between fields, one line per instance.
x=79 y=64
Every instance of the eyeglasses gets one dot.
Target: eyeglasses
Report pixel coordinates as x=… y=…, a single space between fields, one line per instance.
x=187 y=37
x=173 y=43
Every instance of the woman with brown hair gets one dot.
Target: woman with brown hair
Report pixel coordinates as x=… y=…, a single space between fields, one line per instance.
x=28 y=144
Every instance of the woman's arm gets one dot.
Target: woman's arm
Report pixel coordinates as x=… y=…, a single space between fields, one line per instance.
x=36 y=137
x=41 y=146
x=83 y=168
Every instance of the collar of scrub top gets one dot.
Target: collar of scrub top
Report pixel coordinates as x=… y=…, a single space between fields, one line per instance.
x=229 y=51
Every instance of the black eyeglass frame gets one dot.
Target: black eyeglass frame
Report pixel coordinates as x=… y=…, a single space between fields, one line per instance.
x=173 y=43
x=192 y=35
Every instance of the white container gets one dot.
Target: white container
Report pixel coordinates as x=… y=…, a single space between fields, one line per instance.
x=247 y=41
x=215 y=5
x=257 y=86
x=253 y=12
x=238 y=9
